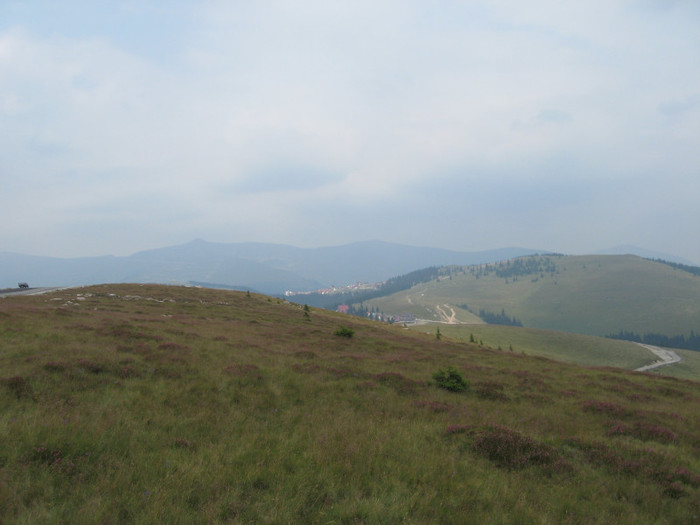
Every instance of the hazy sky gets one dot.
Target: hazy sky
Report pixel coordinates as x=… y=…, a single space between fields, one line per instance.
x=565 y=126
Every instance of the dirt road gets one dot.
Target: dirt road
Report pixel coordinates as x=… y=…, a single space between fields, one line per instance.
x=444 y=317
x=667 y=357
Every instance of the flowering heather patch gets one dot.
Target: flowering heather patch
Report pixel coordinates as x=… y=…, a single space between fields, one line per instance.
x=641 y=398
x=491 y=390
x=619 y=389
x=458 y=429
x=172 y=346
x=53 y=458
x=530 y=380
x=306 y=368
x=82 y=327
x=91 y=366
x=244 y=370
x=568 y=393
x=645 y=463
x=55 y=366
x=398 y=382
x=510 y=449
x=128 y=371
x=535 y=399
x=667 y=391
x=17 y=385
x=342 y=372
x=605 y=407
x=642 y=430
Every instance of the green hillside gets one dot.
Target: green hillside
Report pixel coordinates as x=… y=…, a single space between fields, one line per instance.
x=155 y=404
x=596 y=295
x=586 y=350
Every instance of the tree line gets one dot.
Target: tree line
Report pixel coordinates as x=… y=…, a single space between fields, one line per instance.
x=521 y=266
x=493 y=317
x=692 y=342
x=695 y=270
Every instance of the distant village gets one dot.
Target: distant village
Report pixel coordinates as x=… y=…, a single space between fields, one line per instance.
x=360 y=311
x=332 y=290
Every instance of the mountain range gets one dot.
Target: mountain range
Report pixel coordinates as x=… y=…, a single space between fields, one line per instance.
x=266 y=268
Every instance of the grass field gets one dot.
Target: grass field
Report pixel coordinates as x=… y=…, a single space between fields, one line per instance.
x=583 y=350
x=154 y=404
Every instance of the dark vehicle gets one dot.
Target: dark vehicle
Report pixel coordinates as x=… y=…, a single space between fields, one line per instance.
x=23 y=285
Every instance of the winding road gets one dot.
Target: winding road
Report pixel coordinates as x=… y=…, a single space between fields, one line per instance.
x=666 y=357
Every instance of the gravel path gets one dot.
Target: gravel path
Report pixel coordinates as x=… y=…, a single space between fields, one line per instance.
x=666 y=357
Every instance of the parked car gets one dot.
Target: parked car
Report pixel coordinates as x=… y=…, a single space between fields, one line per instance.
x=23 y=285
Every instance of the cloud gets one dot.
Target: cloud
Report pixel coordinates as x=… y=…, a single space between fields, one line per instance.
x=283 y=177
x=554 y=116
x=408 y=117
x=679 y=107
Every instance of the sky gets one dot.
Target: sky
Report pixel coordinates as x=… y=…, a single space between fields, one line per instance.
x=562 y=126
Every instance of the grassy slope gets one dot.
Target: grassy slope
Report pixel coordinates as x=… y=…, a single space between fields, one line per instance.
x=595 y=295
x=122 y=404
x=584 y=350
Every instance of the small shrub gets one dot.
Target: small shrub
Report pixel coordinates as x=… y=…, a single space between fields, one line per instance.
x=450 y=380
x=344 y=331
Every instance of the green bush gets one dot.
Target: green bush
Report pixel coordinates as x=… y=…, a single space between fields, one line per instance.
x=451 y=380
x=344 y=331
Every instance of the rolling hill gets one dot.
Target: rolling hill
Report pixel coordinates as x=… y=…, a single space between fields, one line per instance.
x=595 y=295
x=164 y=404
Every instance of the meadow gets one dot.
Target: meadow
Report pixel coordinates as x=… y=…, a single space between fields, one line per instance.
x=593 y=294
x=579 y=349
x=158 y=404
